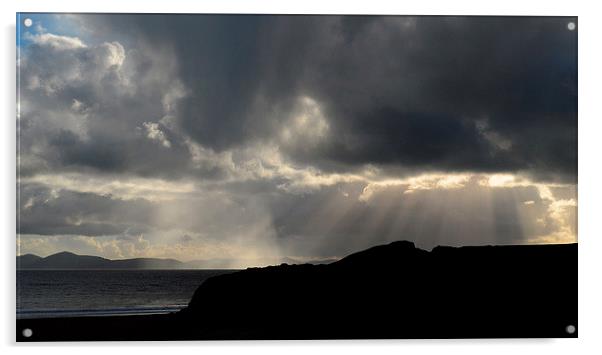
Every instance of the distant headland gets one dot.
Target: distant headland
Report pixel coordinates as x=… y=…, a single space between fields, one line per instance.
x=69 y=261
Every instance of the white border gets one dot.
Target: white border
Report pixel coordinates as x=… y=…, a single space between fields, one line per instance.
x=589 y=174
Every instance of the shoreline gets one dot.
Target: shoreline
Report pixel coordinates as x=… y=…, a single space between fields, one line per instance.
x=103 y=312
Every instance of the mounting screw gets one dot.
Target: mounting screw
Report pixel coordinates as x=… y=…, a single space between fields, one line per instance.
x=27 y=332
x=570 y=329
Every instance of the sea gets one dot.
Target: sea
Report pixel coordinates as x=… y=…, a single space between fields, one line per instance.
x=76 y=293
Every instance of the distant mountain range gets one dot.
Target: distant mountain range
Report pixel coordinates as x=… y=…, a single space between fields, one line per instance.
x=67 y=260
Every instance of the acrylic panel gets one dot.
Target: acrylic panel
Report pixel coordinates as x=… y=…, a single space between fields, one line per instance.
x=226 y=177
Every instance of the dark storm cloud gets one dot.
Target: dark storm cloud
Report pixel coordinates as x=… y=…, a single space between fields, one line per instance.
x=73 y=151
x=407 y=91
x=118 y=154
x=387 y=136
x=46 y=212
x=517 y=74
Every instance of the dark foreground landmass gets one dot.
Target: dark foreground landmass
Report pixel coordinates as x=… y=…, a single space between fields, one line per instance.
x=389 y=291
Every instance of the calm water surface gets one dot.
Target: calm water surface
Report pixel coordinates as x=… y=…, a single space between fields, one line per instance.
x=56 y=293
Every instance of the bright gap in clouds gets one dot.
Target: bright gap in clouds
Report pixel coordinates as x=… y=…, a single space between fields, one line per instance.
x=192 y=220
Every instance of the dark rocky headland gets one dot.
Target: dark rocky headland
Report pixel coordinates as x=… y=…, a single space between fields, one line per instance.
x=389 y=291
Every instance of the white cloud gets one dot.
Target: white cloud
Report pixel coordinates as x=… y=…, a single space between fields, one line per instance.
x=153 y=132
x=57 y=63
x=56 y=42
x=121 y=187
x=417 y=183
x=307 y=124
x=109 y=54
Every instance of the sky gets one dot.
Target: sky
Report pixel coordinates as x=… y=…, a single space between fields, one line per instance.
x=254 y=138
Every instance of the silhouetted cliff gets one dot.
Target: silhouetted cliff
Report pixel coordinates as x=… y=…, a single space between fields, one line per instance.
x=397 y=290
